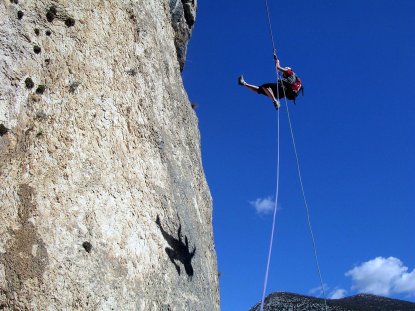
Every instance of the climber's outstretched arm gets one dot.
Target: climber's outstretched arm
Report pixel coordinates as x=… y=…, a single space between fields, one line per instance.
x=282 y=69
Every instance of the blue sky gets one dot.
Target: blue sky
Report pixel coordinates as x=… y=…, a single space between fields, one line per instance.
x=354 y=131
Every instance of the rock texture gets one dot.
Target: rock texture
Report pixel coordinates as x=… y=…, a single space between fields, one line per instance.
x=361 y=302
x=183 y=15
x=103 y=200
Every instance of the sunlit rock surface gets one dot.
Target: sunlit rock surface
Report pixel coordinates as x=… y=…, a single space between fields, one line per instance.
x=103 y=200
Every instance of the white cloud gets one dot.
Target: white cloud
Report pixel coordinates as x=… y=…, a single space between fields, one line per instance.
x=335 y=293
x=406 y=283
x=318 y=291
x=338 y=293
x=263 y=206
x=383 y=276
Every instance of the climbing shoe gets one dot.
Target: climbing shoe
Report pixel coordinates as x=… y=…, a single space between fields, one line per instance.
x=241 y=80
x=276 y=104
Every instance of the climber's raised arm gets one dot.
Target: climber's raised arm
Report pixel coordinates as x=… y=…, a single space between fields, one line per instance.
x=282 y=69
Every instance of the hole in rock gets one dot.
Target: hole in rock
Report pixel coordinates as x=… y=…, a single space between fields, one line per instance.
x=40 y=89
x=29 y=83
x=37 y=49
x=51 y=14
x=69 y=22
x=3 y=130
x=87 y=246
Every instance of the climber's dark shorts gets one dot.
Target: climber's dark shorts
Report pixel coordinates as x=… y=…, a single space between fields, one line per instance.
x=275 y=87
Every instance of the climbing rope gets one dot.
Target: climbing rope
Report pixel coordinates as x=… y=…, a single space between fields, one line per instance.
x=274 y=214
x=278 y=169
x=310 y=228
x=277 y=181
x=270 y=27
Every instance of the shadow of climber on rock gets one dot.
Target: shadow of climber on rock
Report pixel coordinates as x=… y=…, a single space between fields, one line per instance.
x=178 y=251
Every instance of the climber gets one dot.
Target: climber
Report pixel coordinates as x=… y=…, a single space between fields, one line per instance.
x=290 y=85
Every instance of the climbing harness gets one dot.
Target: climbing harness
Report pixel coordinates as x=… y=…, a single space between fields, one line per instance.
x=277 y=181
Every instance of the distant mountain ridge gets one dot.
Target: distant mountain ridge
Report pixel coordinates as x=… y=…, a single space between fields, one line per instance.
x=362 y=302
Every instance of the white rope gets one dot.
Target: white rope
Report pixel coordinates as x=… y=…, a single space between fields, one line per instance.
x=270 y=26
x=277 y=186
x=274 y=215
x=310 y=228
x=278 y=174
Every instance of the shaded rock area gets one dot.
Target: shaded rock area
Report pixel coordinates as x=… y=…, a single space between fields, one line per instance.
x=103 y=200
x=183 y=16
x=361 y=302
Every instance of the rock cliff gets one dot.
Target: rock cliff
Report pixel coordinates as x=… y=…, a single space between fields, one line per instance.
x=103 y=200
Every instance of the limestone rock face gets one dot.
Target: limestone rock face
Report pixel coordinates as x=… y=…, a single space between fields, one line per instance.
x=103 y=200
